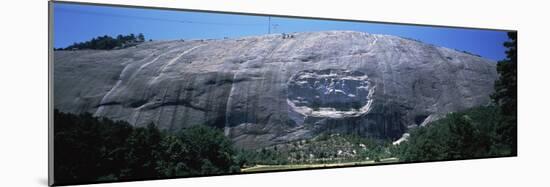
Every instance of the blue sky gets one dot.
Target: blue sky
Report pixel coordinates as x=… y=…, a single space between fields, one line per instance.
x=77 y=23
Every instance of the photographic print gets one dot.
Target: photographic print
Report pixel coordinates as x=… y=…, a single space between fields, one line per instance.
x=146 y=93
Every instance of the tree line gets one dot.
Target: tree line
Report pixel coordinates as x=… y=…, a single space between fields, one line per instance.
x=107 y=42
x=89 y=149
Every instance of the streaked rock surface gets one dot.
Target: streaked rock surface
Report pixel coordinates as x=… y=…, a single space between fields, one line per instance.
x=268 y=89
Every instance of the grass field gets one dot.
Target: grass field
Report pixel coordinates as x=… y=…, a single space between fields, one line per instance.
x=305 y=166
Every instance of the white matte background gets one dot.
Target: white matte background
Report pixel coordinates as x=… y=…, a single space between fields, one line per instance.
x=23 y=92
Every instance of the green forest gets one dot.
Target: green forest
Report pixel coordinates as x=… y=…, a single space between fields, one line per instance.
x=89 y=148
x=107 y=42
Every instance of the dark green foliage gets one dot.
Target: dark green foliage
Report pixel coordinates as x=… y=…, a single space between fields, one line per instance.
x=107 y=42
x=142 y=151
x=505 y=95
x=198 y=150
x=473 y=133
x=141 y=37
x=88 y=149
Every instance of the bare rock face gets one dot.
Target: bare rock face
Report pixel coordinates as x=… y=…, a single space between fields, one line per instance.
x=268 y=89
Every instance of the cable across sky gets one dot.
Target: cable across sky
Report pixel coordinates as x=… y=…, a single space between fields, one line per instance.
x=111 y=15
